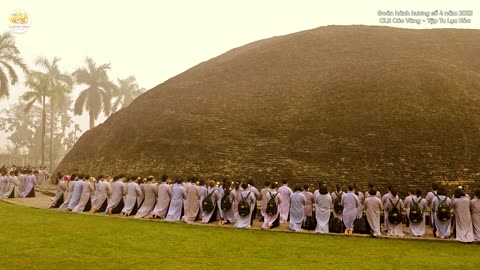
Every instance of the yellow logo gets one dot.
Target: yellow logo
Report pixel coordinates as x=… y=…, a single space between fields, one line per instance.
x=19 y=18
x=19 y=21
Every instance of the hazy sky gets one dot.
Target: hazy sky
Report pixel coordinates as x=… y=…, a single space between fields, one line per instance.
x=155 y=40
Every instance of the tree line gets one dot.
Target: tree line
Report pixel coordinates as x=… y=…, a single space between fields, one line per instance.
x=47 y=102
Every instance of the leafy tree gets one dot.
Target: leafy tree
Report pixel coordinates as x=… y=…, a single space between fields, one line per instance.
x=9 y=59
x=97 y=96
x=39 y=85
x=125 y=92
x=60 y=87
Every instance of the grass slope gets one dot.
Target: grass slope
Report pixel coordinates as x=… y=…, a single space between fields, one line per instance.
x=43 y=239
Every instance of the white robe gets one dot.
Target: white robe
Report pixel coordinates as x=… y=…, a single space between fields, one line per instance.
x=350 y=204
x=150 y=192
x=131 y=191
x=117 y=194
x=176 y=204
x=475 y=209
x=416 y=228
x=164 y=195
x=297 y=212
x=322 y=211
x=76 y=194
x=244 y=221
x=463 y=220
x=285 y=191
x=86 y=196
x=268 y=220
x=443 y=227
x=102 y=193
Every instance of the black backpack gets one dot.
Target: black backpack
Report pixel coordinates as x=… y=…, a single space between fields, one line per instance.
x=225 y=203
x=337 y=206
x=361 y=225
x=394 y=215
x=244 y=206
x=416 y=215
x=272 y=205
x=335 y=225
x=207 y=204
x=443 y=210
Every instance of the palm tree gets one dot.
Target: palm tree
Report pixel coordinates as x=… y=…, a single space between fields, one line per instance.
x=39 y=85
x=98 y=95
x=125 y=92
x=60 y=86
x=8 y=59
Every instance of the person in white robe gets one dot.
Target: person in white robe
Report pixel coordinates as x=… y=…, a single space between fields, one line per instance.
x=192 y=212
x=237 y=189
x=130 y=192
x=442 y=226
x=323 y=202
x=77 y=192
x=297 y=212
x=373 y=207
x=429 y=199
x=115 y=202
x=186 y=185
x=272 y=221
x=176 y=204
x=203 y=194
x=103 y=190
x=309 y=201
x=227 y=216
x=88 y=189
x=416 y=228
x=475 y=210
x=249 y=197
x=395 y=201
x=68 y=193
x=211 y=216
x=337 y=194
x=263 y=199
x=59 y=198
x=463 y=217
x=350 y=204
x=164 y=195
x=361 y=200
x=285 y=191
x=32 y=181
x=150 y=191
x=385 y=201
x=254 y=190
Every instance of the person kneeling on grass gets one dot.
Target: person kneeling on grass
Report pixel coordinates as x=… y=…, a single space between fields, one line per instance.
x=115 y=202
x=349 y=214
x=209 y=204
x=245 y=206
x=227 y=200
x=323 y=200
x=271 y=218
x=463 y=217
x=416 y=214
x=297 y=212
x=131 y=191
x=102 y=193
x=373 y=207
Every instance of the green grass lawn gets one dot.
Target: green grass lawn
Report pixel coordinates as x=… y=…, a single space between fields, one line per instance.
x=44 y=239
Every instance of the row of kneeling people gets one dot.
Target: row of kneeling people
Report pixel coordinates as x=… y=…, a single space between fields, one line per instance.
x=338 y=211
x=20 y=183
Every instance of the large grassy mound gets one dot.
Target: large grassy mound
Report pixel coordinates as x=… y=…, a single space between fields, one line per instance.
x=45 y=239
x=343 y=103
